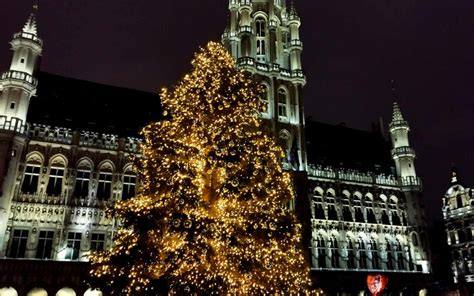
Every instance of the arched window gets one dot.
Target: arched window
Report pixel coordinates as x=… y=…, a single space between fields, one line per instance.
x=318 y=208
x=129 y=182
x=56 y=176
x=104 y=187
x=265 y=100
x=30 y=178
x=83 y=177
x=395 y=218
x=282 y=105
x=332 y=212
x=346 y=208
x=260 y=41
x=385 y=218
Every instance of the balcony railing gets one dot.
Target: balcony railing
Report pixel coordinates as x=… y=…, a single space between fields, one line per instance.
x=28 y=36
x=50 y=134
x=21 y=76
x=399 y=151
x=245 y=29
x=352 y=176
x=296 y=43
x=40 y=198
x=12 y=124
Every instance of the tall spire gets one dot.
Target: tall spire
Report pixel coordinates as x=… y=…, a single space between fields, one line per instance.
x=30 y=25
x=397 y=115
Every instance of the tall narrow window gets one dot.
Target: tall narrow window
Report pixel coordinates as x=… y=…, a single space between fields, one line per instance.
x=18 y=243
x=400 y=257
x=375 y=255
x=334 y=253
x=81 y=189
x=45 y=245
x=362 y=255
x=321 y=252
x=319 y=211
x=105 y=185
x=282 y=105
x=265 y=100
x=350 y=255
x=97 y=241
x=260 y=41
x=73 y=246
x=55 y=182
x=129 y=181
x=389 y=256
x=30 y=179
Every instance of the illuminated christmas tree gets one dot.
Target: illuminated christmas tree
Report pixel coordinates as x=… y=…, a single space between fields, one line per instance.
x=211 y=217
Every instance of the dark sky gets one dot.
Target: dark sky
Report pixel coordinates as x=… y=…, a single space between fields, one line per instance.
x=352 y=49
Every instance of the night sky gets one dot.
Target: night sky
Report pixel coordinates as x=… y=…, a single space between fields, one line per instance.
x=352 y=49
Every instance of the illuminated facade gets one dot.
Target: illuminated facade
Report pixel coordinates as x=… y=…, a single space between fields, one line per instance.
x=458 y=218
x=58 y=175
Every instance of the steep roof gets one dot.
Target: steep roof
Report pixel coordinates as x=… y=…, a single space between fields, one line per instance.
x=84 y=105
x=340 y=146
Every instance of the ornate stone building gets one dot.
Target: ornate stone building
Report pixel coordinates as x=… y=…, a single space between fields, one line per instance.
x=62 y=166
x=458 y=214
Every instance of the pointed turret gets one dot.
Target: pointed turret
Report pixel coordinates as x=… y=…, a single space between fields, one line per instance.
x=403 y=155
x=18 y=84
x=30 y=25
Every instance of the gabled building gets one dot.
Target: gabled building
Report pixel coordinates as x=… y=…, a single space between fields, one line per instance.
x=458 y=214
x=64 y=158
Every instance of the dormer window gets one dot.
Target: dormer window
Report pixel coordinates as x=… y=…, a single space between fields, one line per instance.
x=12 y=105
x=22 y=61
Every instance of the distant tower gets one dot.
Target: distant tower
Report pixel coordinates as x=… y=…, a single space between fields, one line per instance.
x=263 y=37
x=402 y=153
x=17 y=86
x=404 y=157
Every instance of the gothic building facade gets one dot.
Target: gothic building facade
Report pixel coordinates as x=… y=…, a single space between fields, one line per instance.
x=60 y=167
x=458 y=217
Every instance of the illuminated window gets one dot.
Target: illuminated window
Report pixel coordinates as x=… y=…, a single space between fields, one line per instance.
x=18 y=243
x=30 y=179
x=265 y=100
x=73 y=245
x=260 y=33
x=55 y=182
x=81 y=189
x=97 y=241
x=45 y=245
x=129 y=181
x=105 y=185
x=282 y=104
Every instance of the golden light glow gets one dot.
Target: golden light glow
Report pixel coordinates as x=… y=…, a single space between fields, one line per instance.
x=212 y=215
